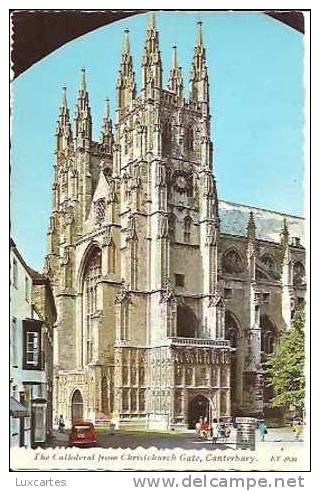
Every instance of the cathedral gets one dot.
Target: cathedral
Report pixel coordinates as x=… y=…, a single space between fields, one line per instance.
x=168 y=299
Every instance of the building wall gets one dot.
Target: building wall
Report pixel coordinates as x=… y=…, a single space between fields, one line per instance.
x=20 y=309
x=43 y=300
x=33 y=386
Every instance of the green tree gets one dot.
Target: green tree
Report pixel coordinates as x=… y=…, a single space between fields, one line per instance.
x=285 y=367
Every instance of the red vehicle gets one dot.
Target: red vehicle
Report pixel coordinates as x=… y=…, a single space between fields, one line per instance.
x=83 y=434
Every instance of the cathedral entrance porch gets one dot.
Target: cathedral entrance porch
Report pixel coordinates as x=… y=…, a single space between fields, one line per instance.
x=199 y=407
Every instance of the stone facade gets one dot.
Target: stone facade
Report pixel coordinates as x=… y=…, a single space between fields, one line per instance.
x=162 y=317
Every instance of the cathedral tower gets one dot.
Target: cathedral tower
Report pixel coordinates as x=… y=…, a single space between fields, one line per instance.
x=133 y=251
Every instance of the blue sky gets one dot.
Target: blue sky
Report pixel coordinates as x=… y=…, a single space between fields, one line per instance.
x=256 y=91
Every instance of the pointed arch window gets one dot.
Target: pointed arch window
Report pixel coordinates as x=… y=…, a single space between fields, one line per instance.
x=126 y=140
x=187 y=229
x=134 y=265
x=189 y=138
x=167 y=138
x=172 y=226
x=232 y=262
x=99 y=210
x=298 y=274
x=104 y=395
x=268 y=335
x=92 y=273
x=270 y=265
x=190 y=187
x=124 y=331
x=268 y=341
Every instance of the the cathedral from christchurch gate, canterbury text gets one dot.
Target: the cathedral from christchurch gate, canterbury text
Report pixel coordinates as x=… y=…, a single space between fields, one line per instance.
x=168 y=299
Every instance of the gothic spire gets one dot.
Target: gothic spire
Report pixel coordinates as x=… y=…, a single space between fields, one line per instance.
x=106 y=130
x=126 y=86
x=199 y=40
x=174 y=58
x=199 y=85
x=83 y=120
x=251 y=246
x=151 y=60
x=285 y=233
x=64 y=97
x=251 y=227
x=152 y=21
x=107 y=109
x=83 y=84
x=175 y=79
x=63 y=131
x=126 y=42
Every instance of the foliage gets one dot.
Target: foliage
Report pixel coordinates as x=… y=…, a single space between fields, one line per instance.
x=285 y=367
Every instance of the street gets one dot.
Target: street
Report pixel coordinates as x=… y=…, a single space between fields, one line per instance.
x=188 y=441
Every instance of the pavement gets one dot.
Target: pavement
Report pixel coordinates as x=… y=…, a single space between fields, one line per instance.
x=188 y=441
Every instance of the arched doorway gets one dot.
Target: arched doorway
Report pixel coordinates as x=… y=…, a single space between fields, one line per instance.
x=76 y=406
x=232 y=334
x=187 y=322
x=199 y=407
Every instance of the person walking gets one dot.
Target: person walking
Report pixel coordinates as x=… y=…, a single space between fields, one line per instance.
x=299 y=431
x=263 y=430
x=222 y=430
x=298 y=428
x=205 y=428
x=215 y=431
x=199 y=427
x=227 y=431
x=61 y=424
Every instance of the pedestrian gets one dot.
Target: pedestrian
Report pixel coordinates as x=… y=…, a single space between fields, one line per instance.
x=215 y=431
x=297 y=428
x=222 y=430
x=227 y=432
x=263 y=430
x=61 y=424
x=198 y=426
x=205 y=428
x=112 y=427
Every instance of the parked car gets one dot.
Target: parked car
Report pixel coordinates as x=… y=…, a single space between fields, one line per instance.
x=83 y=434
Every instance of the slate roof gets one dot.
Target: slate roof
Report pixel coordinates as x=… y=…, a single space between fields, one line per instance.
x=234 y=218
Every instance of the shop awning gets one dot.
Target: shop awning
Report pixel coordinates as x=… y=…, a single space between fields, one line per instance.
x=17 y=409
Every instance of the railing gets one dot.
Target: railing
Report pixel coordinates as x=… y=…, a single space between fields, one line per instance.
x=193 y=342
x=216 y=343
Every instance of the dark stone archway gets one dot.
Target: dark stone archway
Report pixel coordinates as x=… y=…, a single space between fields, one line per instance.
x=76 y=406
x=199 y=407
x=187 y=322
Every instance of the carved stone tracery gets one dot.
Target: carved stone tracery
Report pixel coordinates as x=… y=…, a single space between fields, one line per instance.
x=100 y=210
x=167 y=292
x=232 y=262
